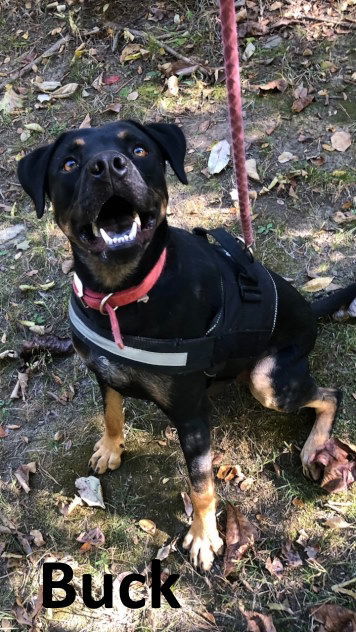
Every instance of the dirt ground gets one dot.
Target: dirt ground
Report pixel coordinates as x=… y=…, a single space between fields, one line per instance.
x=303 y=211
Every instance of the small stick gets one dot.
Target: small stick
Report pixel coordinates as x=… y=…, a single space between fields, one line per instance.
x=47 y=53
x=147 y=36
x=287 y=21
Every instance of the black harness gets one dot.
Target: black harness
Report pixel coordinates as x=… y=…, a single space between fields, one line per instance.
x=240 y=330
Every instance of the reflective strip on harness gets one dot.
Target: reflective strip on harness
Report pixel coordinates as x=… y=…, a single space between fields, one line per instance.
x=168 y=359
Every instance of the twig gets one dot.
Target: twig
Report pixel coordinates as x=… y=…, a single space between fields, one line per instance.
x=47 y=53
x=147 y=37
x=287 y=21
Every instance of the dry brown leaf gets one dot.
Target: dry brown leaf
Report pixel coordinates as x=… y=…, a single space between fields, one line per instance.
x=94 y=537
x=286 y=156
x=67 y=265
x=148 y=526
x=258 y=622
x=37 y=537
x=86 y=122
x=66 y=509
x=300 y=104
x=338 y=522
x=334 y=618
x=274 y=566
x=187 y=504
x=229 y=472
x=291 y=555
x=22 y=474
x=276 y=85
x=275 y=6
x=113 y=107
x=251 y=169
x=64 y=92
x=240 y=536
x=21 y=615
x=3 y=432
x=246 y=484
x=341 y=217
x=339 y=462
x=20 y=386
x=317 y=284
x=11 y=102
x=132 y=96
x=341 y=140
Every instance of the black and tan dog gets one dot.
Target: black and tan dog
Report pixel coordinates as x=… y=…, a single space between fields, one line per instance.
x=107 y=187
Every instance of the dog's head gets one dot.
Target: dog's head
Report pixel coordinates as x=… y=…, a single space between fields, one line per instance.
x=107 y=184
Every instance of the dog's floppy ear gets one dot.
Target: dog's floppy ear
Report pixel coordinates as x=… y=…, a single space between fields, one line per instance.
x=171 y=141
x=32 y=174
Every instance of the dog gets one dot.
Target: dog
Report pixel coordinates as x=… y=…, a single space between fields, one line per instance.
x=109 y=195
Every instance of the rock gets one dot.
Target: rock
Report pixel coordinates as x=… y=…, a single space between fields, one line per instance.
x=13 y=235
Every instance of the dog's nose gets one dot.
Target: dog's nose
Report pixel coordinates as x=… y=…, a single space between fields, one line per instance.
x=102 y=165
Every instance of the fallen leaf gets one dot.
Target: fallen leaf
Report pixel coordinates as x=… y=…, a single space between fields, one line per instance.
x=251 y=169
x=337 y=522
x=8 y=353
x=94 y=537
x=22 y=475
x=188 y=507
x=64 y=92
x=48 y=86
x=274 y=566
x=286 y=156
x=258 y=622
x=300 y=104
x=249 y=51
x=20 y=386
x=113 y=107
x=86 y=122
x=317 y=284
x=246 y=484
x=3 y=433
x=67 y=508
x=291 y=555
x=275 y=6
x=89 y=489
x=148 y=526
x=338 y=459
x=341 y=217
x=333 y=618
x=111 y=79
x=341 y=140
x=172 y=86
x=11 y=102
x=240 y=536
x=98 y=82
x=219 y=157
x=21 y=615
x=34 y=127
x=279 y=85
x=132 y=96
x=303 y=538
x=230 y=472
x=311 y=552
x=132 y=51
x=37 y=537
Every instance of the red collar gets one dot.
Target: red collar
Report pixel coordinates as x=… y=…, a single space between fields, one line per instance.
x=108 y=303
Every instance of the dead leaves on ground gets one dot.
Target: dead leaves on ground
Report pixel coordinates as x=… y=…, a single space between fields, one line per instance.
x=241 y=535
x=22 y=475
x=338 y=459
x=258 y=622
x=333 y=618
x=92 y=539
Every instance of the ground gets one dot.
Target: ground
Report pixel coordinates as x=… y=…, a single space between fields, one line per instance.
x=296 y=234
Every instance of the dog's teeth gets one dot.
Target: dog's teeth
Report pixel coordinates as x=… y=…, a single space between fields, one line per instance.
x=133 y=231
x=105 y=236
x=137 y=220
x=95 y=229
x=126 y=237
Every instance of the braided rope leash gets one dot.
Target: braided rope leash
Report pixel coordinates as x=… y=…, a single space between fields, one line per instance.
x=232 y=71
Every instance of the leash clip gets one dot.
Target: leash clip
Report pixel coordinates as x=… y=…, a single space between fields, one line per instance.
x=103 y=304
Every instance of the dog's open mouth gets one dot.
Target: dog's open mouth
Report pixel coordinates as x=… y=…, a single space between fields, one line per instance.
x=118 y=225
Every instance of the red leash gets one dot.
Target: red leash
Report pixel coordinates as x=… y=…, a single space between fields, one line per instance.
x=108 y=303
x=232 y=71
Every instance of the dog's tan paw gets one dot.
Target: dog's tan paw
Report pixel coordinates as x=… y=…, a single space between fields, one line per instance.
x=204 y=542
x=311 y=470
x=107 y=455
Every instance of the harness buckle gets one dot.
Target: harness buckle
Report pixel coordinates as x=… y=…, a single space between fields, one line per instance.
x=249 y=290
x=103 y=303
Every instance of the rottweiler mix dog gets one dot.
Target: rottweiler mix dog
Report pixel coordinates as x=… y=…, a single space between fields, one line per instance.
x=109 y=195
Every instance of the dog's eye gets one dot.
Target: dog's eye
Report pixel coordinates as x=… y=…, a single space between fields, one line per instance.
x=70 y=164
x=140 y=152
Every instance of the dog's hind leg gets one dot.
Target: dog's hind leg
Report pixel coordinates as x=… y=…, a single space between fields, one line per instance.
x=108 y=450
x=283 y=382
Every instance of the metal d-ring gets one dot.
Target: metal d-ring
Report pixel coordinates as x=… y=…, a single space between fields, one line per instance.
x=103 y=303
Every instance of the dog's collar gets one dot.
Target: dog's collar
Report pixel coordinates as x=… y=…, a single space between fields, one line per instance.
x=108 y=303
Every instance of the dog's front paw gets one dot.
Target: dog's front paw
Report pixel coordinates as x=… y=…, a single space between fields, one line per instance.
x=107 y=455
x=204 y=541
x=311 y=470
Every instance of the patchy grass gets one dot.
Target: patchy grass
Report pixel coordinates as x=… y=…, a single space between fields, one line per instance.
x=298 y=235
